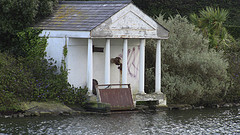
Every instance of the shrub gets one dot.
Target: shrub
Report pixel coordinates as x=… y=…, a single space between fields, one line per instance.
x=8 y=101
x=233 y=56
x=190 y=72
x=14 y=78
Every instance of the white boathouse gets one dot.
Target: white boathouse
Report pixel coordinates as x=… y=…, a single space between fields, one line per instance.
x=100 y=34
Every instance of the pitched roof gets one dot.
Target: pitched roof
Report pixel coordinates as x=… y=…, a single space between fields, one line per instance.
x=81 y=15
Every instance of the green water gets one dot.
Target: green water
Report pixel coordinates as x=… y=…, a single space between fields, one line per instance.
x=205 y=121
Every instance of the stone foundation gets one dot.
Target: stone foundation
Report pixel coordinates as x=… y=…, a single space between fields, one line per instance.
x=160 y=98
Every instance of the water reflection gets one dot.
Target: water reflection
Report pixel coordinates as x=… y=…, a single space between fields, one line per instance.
x=206 y=121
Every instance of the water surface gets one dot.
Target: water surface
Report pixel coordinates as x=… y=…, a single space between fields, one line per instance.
x=205 y=121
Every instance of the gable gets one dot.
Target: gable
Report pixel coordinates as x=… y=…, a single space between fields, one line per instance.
x=130 y=22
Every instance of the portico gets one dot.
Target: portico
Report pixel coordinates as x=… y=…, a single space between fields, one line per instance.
x=107 y=71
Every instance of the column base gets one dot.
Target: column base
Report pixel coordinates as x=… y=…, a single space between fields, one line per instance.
x=141 y=93
x=158 y=92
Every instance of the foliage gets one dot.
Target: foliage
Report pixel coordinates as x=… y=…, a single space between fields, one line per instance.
x=190 y=72
x=30 y=45
x=17 y=15
x=50 y=84
x=233 y=56
x=234 y=31
x=149 y=79
x=45 y=8
x=186 y=7
x=210 y=21
x=14 y=77
x=8 y=102
x=16 y=84
x=150 y=56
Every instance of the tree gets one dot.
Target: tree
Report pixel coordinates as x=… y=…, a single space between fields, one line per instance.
x=210 y=21
x=17 y=15
x=191 y=73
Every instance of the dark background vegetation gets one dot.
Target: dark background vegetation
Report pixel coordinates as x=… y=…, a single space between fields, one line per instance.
x=186 y=7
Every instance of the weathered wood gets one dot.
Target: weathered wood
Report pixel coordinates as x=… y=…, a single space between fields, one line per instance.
x=118 y=98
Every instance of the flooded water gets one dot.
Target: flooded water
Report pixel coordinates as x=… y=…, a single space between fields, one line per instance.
x=205 y=121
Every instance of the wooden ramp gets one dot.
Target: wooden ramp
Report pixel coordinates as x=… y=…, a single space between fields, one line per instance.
x=119 y=97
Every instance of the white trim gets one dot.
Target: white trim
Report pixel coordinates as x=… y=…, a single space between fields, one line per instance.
x=62 y=33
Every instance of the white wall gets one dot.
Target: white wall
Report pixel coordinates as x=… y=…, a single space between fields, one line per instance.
x=55 y=49
x=77 y=61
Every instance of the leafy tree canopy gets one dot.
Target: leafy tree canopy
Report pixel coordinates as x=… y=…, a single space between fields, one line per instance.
x=16 y=15
x=210 y=21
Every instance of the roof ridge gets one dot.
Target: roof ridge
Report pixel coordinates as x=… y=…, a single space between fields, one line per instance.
x=96 y=2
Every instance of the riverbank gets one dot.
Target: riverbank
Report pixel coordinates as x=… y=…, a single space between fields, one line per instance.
x=33 y=109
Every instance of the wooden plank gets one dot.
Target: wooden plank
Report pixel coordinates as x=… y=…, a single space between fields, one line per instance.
x=118 y=98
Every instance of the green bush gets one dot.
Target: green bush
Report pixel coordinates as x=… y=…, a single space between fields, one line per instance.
x=190 y=72
x=8 y=101
x=14 y=78
x=233 y=56
x=16 y=84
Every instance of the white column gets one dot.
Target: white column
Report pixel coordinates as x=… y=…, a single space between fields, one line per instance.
x=124 y=62
x=90 y=66
x=158 y=68
x=107 y=62
x=142 y=66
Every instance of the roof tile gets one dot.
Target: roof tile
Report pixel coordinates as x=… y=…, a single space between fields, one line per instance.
x=81 y=15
